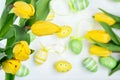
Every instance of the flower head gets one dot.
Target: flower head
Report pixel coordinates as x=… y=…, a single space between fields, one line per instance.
x=21 y=51
x=11 y=66
x=23 y=9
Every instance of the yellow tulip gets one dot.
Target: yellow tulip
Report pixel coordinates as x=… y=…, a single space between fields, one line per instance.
x=42 y=28
x=98 y=35
x=23 y=9
x=21 y=51
x=11 y=66
x=99 y=51
x=101 y=17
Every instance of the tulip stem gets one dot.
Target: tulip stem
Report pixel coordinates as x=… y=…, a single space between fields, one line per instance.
x=9 y=76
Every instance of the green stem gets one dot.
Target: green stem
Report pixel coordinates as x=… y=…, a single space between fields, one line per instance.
x=9 y=76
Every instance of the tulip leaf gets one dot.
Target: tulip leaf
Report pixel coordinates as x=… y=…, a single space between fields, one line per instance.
x=115 y=38
x=21 y=34
x=117 y=68
x=9 y=52
x=7 y=24
x=8 y=2
x=10 y=33
x=116 y=18
x=116 y=25
x=110 y=46
x=42 y=9
x=10 y=42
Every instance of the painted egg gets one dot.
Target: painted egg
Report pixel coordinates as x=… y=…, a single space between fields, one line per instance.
x=41 y=56
x=90 y=64
x=63 y=66
x=65 y=31
x=78 y=5
x=75 y=45
x=108 y=62
x=23 y=71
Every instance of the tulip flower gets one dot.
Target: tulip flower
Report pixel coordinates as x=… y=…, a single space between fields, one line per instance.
x=21 y=51
x=23 y=10
x=11 y=66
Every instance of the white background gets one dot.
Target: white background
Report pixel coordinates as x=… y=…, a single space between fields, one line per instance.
x=85 y=21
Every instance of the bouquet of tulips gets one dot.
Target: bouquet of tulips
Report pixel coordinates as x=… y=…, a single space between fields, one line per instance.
x=31 y=15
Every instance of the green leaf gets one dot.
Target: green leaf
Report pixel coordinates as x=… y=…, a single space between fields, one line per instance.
x=10 y=42
x=113 y=36
x=42 y=10
x=116 y=25
x=9 y=76
x=5 y=28
x=10 y=33
x=8 y=2
x=21 y=34
x=9 y=52
x=117 y=68
x=116 y=18
x=110 y=46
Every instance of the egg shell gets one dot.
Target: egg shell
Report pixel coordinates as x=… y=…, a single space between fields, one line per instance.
x=23 y=71
x=78 y=5
x=90 y=64
x=40 y=57
x=75 y=45
x=108 y=62
x=65 y=31
x=63 y=66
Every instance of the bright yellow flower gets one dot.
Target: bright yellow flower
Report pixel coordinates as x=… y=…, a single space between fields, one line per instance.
x=23 y=9
x=11 y=66
x=99 y=51
x=98 y=35
x=42 y=28
x=21 y=51
x=101 y=17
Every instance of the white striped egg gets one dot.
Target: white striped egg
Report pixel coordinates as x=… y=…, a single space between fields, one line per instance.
x=41 y=56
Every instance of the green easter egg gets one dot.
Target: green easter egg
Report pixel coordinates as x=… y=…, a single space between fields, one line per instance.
x=78 y=5
x=23 y=71
x=90 y=64
x=75 y=45
x=108 y=62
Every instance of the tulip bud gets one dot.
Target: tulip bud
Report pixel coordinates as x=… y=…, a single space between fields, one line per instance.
x=98 y=35
x=23 y=9
x=42 y=28
x=99 y=51
x=101 y=17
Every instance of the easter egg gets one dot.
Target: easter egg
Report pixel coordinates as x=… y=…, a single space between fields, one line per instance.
x=63 y=66
x=108 y=62
x=90 y=64
x=78 y=5
x=40 y=56
x=65 y=31
x=75 y=45
x=23 y=71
